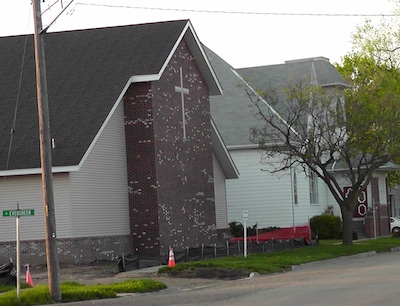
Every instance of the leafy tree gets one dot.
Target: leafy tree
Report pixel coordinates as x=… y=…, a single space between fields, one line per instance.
x=315 y=129
x=381 y=45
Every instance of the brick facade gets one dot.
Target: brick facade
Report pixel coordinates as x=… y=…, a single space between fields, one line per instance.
x=381 y=213
x=375 y=192
x=170 y=176
x=142 y=184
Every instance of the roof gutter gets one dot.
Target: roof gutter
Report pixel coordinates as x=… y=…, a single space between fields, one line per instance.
x=243 y=147
x=255 y=146
x=32 y=171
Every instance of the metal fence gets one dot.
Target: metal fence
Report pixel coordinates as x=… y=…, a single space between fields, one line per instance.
x=235 y=249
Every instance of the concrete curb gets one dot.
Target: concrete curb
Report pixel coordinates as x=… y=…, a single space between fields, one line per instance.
x=395 y=249
x=315 y=263
x=360 y=255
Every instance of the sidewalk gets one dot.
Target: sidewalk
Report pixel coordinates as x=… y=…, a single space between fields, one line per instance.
x=106 y=273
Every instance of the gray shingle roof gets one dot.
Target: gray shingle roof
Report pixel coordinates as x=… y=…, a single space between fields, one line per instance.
x=234 y=113
x=86 y=72
x=278 y=76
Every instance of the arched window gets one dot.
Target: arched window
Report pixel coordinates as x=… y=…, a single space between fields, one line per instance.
x=313 y=183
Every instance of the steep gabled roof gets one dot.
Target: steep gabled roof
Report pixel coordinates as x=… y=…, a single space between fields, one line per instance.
x=234 y=113
x=87 y=74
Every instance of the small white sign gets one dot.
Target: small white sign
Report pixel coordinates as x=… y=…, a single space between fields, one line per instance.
x=245 y=215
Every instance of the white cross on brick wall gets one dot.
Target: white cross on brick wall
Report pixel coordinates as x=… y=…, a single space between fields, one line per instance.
x=183 y=91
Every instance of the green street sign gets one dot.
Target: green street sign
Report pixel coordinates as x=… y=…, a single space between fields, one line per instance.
x=18 y=213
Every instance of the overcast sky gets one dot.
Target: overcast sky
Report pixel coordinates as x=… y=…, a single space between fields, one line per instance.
x=243 y=39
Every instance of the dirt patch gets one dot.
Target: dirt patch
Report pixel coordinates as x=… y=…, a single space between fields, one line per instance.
x=107 y=272
x=87 y=273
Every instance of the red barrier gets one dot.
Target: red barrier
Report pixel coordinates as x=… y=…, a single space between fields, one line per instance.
x=280 y=234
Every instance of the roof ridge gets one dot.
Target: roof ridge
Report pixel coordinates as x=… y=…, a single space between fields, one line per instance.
x=314 y=59
x=104 y=27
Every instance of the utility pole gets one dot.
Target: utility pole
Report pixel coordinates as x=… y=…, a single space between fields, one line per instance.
x=45 y=157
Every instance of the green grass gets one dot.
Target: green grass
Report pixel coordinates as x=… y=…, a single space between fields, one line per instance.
x=278 y=261
x=73 y=291
x=5 y=288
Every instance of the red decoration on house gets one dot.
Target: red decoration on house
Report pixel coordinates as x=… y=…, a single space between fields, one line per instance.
x=362 y=204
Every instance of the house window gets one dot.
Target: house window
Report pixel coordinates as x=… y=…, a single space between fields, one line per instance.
x=313 y=181
x=295 y=194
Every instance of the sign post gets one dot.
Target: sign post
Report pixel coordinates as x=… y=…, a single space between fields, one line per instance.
x=18 y=213
x=17 y=255
x=245 y=213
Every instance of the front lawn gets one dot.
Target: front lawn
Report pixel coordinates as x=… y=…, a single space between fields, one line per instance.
x=279 y=261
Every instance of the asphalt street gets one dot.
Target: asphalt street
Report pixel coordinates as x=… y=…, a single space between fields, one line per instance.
x=365 y=279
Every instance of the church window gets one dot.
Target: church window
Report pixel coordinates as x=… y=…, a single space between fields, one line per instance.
x=313 y=183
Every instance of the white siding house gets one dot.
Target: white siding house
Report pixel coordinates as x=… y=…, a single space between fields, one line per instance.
x=270 y=198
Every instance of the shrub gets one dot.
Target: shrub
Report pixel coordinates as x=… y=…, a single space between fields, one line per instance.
x=236 y=229
x=326 y=226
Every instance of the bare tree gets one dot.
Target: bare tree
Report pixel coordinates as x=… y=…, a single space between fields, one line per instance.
x=312 y=127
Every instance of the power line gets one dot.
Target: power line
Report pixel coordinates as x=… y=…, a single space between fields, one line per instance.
x=16 y=106
x=13 y=127
x=240 y=12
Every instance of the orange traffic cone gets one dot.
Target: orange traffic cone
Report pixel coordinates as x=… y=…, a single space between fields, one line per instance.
x=28 y=278
x=171 y=259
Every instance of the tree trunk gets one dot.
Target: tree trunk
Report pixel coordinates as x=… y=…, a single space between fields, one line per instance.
x=347 y=216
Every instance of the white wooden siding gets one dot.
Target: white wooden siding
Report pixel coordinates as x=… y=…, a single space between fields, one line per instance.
x=220 y=195
x=268 y=197
x=99 y=189
x=305 y=210
x=27 y=191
